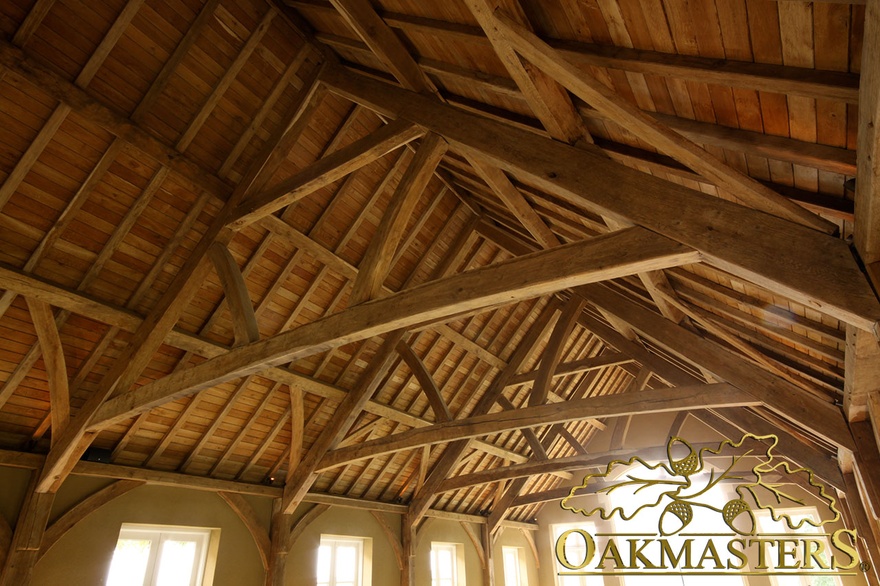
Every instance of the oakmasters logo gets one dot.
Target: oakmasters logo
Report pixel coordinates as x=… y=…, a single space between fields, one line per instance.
x=734 y=508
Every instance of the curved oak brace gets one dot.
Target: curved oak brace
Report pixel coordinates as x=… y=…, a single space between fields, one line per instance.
x=454 y=450
x=787 y=258
x=246 y=513
x=475 y=539
x=244 y=321
x=429 y=387
x=85 y=508
x=393 y=541
x=304 y=522
x=378 y=258
x=532 y=546
x=665 y=400
x=56 y=368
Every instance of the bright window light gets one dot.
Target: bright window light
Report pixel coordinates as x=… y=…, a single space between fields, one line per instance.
x=766 y=524
x=575 y=549
x=159 y=555
x=341 y=561
x=514 y=566
x=445 y=567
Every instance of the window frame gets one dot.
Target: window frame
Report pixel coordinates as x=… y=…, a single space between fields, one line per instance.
x=458 y=564
x=205 y=538
x=364 y=572
x=519 y=569
x=763 y=519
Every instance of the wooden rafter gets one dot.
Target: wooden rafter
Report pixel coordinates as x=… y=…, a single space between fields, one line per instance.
x=736 y=240
x=600 y=97
x=153 y=330
x=363 y=19
x=31 y=71
x=324 y=172
x=548 y=100
x=822 y=418
x=376 y=263
x=617 y=254
x=680 y=398
x=553 y=353
x=429 y=387
x=228 y=78
x=244 y=321
x=515 y=202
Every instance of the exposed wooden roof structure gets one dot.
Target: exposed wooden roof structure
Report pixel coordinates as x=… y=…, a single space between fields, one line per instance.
x=315 y=249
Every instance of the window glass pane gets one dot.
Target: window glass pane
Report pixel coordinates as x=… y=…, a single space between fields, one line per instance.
x=510 y=557
x=176 y=563
x=324 y=553
x=129 y=564
x=767 y=525
x=443 y=564
x=340 y=561
x=346 y=564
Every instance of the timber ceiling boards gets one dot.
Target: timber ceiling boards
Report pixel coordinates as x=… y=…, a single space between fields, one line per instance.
x=274 y=232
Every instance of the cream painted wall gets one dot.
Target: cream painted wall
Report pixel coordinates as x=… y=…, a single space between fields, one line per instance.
x=302 y=559
x=82 y=556
x=448 y=532
x=13 y=486
x=515 y=538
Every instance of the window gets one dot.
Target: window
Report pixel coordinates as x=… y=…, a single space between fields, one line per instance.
x=344 y=561
x=767 y=525
x=447 y=565
x=514 y=566
x=162 y=555
x=575 y=549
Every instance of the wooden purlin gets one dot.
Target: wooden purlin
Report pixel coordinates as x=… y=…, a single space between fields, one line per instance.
x=599 y=96
x=733 y=244
x=423 y=498
x=158 y=323
x=658 y=401
x=633 y=250
x=769 y=77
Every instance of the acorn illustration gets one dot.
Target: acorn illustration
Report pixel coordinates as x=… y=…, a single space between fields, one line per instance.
x=675 y=517
x=739 y=516
x=687 y=465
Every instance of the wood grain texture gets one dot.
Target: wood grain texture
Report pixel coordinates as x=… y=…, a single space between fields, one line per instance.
x=776 y=254
x=378 y=259
x=680 y=398
x=56 y=366
x=601 y=98
x=822 y=418
x=599 y=259
x=325 y=171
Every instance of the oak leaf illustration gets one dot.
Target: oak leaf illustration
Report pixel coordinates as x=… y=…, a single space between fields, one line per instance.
x=686 y=481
